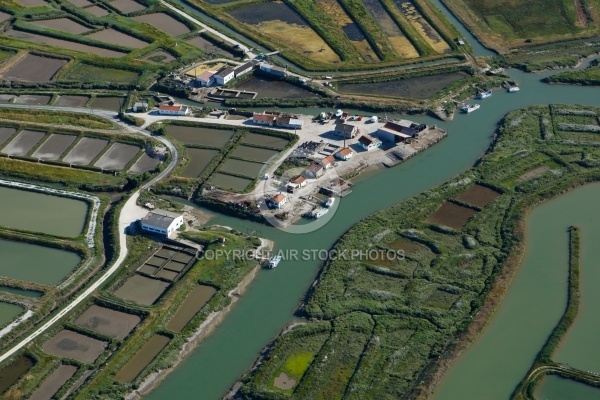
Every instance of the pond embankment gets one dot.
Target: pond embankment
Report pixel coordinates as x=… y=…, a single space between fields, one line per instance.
x=205 y=329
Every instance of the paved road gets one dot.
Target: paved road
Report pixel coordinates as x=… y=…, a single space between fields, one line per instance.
x=129 y=214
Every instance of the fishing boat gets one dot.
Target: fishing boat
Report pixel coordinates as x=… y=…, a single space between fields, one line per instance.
x=329 y=202
x=469 y=108
x=318 y=213
x=484 y=95
x=274 y=261
x=513 y=89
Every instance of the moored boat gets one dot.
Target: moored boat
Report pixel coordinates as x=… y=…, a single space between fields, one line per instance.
x=318 y=212
x=274 y=261
x=469 y=108
x=513 y=89
x=329 y=202
x=484 y=95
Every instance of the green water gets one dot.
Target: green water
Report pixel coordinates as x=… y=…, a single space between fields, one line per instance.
x=33 y=263
x=554 y=387
x=39 y=212
x=21 y=292
x=534 y=303
x=585 y=332
x=274 y=295
x=8 y=312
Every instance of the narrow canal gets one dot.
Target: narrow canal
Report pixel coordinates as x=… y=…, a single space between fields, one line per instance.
x=534 y=303
x=272 y=298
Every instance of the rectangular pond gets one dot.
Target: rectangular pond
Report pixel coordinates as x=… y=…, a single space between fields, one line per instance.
x=40 y=212
x=35 y=263
x=23 y=143
x=190 y=307
x=202 y=136
x=240 y=167
x=229 y=182
x=118 y=156
x=8 y=313
x=144 y=164
x=254 y=153
x=85 y=151
x=54 y=147
x=421 y=87
x=142 y=358
x=10 y=374
x=199 y=159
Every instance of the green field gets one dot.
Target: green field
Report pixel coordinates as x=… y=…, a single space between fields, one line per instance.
x=90 y=73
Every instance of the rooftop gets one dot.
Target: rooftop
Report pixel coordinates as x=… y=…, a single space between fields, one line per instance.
x=278 y=198
x=299 y=179
x=346 y=151
x=160 y=218
x=166 y=107
x=206 y=75
x=367 y=140
x=263 y=117
x=327 y=160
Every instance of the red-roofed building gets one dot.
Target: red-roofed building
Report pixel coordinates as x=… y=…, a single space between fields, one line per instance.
x=327 y=162
x=277 y=201
x=165 y=109
x=263 y=119
x=345 y=154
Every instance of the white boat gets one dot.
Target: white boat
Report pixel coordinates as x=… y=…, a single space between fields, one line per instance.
x=274 y=261
x=329 y=202
x=318 y=213
x=513 y=89
x=338 y=113
x=374 y=118
x=469 y=108
x=484 y=95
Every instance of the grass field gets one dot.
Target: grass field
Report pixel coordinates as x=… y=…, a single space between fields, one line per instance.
x=90 y=73
x=55 y=118
x=50 y=173
x=508 y=23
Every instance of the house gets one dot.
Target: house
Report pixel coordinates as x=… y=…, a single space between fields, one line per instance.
x=245 y=68
x=224 y=76
x=206 y=78
x=395 y=132
x=347 y=131
x=295 y=183
x=277 y=201
x=345 y=154
x=161 y=222
x=273 y=70
x=299 y=181
x=263 y=119
x=140 y=107
x=289 y=122
x=313 y=171
x=166 y=109
x=369 y=142
x=327 y=162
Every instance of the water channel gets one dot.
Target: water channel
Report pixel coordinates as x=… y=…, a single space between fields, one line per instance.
x=534 y=303
x=554 y=387
x=272 y=298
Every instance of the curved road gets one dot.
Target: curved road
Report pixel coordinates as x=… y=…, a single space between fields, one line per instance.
x=128 y=216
